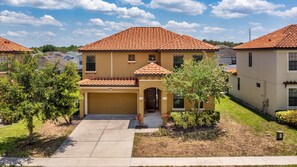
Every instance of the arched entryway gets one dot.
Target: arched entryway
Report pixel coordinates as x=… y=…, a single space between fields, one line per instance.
x=152 y=100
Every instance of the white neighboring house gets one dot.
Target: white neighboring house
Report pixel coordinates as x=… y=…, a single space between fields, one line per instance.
x=266 y=74
x=74 y=57
x=226 y=55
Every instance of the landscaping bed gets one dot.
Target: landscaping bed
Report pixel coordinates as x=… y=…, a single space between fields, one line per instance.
x=47 y=138
x=241 y=132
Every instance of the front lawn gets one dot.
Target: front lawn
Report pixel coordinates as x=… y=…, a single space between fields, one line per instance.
x=241 y=132
x=47 y=138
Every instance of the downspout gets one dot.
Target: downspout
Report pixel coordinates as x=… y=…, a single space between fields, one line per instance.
x=111 y=64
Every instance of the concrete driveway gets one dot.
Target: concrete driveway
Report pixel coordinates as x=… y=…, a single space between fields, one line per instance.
x=99 y=136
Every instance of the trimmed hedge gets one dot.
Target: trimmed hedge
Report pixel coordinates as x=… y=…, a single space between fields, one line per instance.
x=190 y=119
x=287 y=117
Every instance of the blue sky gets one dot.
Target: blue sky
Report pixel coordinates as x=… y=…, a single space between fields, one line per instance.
x=79 y=22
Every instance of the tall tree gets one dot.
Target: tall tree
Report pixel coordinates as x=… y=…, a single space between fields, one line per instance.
x=198 y=81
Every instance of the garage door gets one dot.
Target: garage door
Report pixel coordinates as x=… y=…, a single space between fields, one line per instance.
x=112 y=103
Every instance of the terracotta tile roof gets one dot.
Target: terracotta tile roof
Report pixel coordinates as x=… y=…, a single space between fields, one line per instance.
x=185 y=42
x=147 y=38
x=283 y=38
x=9 y=46
x=119 y=82
x=232 y=71
x=152 y=69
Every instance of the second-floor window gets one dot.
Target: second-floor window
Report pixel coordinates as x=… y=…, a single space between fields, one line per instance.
x=250 y=59
x=178 y=101
x=178 y=61
x=197 y=58
x=3 y=63
x=131 y=57
x=293 y=61
x=233 y=60
x=293 y=97
x=91 y=63
x=152 y=58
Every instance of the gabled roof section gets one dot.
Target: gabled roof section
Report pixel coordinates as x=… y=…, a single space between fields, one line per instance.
x=9 y=46
x=146 y=38
x=186 y=42
x=152 y=69
x=113 y=82
x=283 y=38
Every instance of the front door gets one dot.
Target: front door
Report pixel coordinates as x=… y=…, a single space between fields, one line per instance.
x=151 y=99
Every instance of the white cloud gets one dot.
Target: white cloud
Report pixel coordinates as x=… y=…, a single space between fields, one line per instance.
x=111 y=8
x=89 y=32
x=240 y=8
x=291 y=13
x=181 y=26
x=42 y=4
x=11 y=17
x=132 y=2
x=97 y=5
x=190 y=7
x=17 y=33
x=213 y=29
x=110 y=25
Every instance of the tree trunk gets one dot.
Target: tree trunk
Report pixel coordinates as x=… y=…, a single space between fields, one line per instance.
x=66 y=120
x=30 y=127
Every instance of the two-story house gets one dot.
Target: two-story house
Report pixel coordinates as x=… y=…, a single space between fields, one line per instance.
x=122 y=73
x=9 y=49
x=267 y=71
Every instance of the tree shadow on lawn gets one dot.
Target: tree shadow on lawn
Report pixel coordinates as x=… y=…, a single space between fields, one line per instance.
x=42 y=146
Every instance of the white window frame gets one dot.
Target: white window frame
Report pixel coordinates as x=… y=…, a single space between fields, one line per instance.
x=290 y=71
x=290 y=87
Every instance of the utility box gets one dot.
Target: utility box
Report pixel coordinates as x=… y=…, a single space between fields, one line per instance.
x=279 y=135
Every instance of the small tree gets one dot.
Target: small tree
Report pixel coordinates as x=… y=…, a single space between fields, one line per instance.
x=198 y=81
x=19 y=92
x=62 y=94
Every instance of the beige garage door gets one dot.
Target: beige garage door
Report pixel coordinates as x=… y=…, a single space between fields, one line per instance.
x=112 y=103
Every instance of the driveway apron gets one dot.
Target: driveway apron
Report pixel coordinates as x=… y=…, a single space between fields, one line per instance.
x=99 y=136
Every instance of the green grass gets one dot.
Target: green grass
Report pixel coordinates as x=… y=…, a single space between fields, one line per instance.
x=12 y=134
x=260 y=123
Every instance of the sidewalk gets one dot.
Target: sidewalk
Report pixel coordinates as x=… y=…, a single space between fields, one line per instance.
x=197 y=161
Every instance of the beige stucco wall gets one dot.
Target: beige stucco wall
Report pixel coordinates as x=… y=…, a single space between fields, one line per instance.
x=167 y=57
x=270 y=69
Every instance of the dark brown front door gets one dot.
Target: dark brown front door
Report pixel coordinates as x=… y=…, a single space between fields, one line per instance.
x=150 y=99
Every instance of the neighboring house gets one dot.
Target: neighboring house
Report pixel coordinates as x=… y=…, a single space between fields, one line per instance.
x=266 y=75
x=226 y=55
x=10 y=50
x=76 y=58
x=122 y=74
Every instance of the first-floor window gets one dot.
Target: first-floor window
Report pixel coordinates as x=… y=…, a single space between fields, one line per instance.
x=3 y=63
x=178 y=101
x=201 y=105
x=293 y=97
x=238 y=83
x=91 y=63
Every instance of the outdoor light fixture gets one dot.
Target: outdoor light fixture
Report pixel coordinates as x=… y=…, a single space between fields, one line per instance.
x=279 y=135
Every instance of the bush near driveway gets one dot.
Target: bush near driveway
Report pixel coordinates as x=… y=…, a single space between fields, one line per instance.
x=192 y=119
x=287 y=117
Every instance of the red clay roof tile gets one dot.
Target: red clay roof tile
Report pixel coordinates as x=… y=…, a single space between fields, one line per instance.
x=283 y=38
x=152 y=69
x=124 y=82
x=147 y=38
x=9 y=46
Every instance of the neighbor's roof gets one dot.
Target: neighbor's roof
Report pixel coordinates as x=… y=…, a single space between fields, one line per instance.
x=124 y=82
x=283 y=38
x=9 y=46
x=152 y=69
x=147 y=38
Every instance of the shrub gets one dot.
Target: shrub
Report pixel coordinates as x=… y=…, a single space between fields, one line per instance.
x=287 y=117
x=192 y=119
